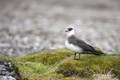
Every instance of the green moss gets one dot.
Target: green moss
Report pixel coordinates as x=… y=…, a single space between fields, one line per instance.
x=59 y=64
x=48 y=57
x=97 y=48
x=41 y=64
x=90 y=66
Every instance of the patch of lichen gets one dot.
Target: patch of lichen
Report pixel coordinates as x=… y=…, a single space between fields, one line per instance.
x=59 y=64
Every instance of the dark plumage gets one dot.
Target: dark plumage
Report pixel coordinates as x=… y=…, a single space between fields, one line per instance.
x=86 y=47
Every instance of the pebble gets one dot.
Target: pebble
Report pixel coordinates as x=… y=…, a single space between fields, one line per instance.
x=37 y=25
x=7 y=72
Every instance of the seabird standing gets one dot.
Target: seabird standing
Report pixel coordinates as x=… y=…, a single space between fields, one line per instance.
x=79 y=46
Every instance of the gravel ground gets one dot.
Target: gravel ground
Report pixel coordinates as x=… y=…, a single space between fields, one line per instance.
x=33 y=25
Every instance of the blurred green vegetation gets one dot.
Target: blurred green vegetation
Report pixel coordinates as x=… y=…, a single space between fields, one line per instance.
x=59 y=64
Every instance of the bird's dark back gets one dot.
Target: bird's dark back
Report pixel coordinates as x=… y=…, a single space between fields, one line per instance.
x=74 y=40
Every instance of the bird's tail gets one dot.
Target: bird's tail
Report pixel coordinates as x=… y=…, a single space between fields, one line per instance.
x=95 y=52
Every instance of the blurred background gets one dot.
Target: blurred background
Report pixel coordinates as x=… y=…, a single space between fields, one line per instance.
x=34 y=25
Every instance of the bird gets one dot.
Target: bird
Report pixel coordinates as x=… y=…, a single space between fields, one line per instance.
x=79 y=46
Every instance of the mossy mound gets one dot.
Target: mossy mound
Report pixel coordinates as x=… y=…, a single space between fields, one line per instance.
x=89 y=67
x=47 y=57
x=59 y=64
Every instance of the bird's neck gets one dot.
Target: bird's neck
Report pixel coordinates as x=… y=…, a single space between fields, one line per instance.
x=70 y=35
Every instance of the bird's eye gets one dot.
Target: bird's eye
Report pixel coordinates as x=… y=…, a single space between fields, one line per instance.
x=69 y=29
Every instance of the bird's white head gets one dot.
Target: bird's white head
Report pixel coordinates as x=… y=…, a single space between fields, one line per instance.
x=70 y=32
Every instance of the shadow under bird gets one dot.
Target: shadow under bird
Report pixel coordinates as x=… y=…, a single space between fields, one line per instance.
x=79 y=46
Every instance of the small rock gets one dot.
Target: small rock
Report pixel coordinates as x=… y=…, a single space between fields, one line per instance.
x=8 y=71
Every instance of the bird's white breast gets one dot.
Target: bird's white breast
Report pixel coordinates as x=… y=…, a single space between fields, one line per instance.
x=73 y=47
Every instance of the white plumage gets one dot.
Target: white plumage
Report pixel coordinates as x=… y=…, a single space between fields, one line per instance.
x=73 y=47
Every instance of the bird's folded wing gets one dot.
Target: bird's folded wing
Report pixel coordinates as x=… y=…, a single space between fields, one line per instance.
x=74 y=40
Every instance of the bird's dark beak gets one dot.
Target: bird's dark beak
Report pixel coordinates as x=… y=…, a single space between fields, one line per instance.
x=66 y=31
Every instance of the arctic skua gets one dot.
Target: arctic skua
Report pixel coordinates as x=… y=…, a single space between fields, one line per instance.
x=79 y=46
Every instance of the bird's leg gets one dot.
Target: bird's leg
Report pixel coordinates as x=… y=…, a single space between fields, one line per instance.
x=75 y=55
x=79 y=55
